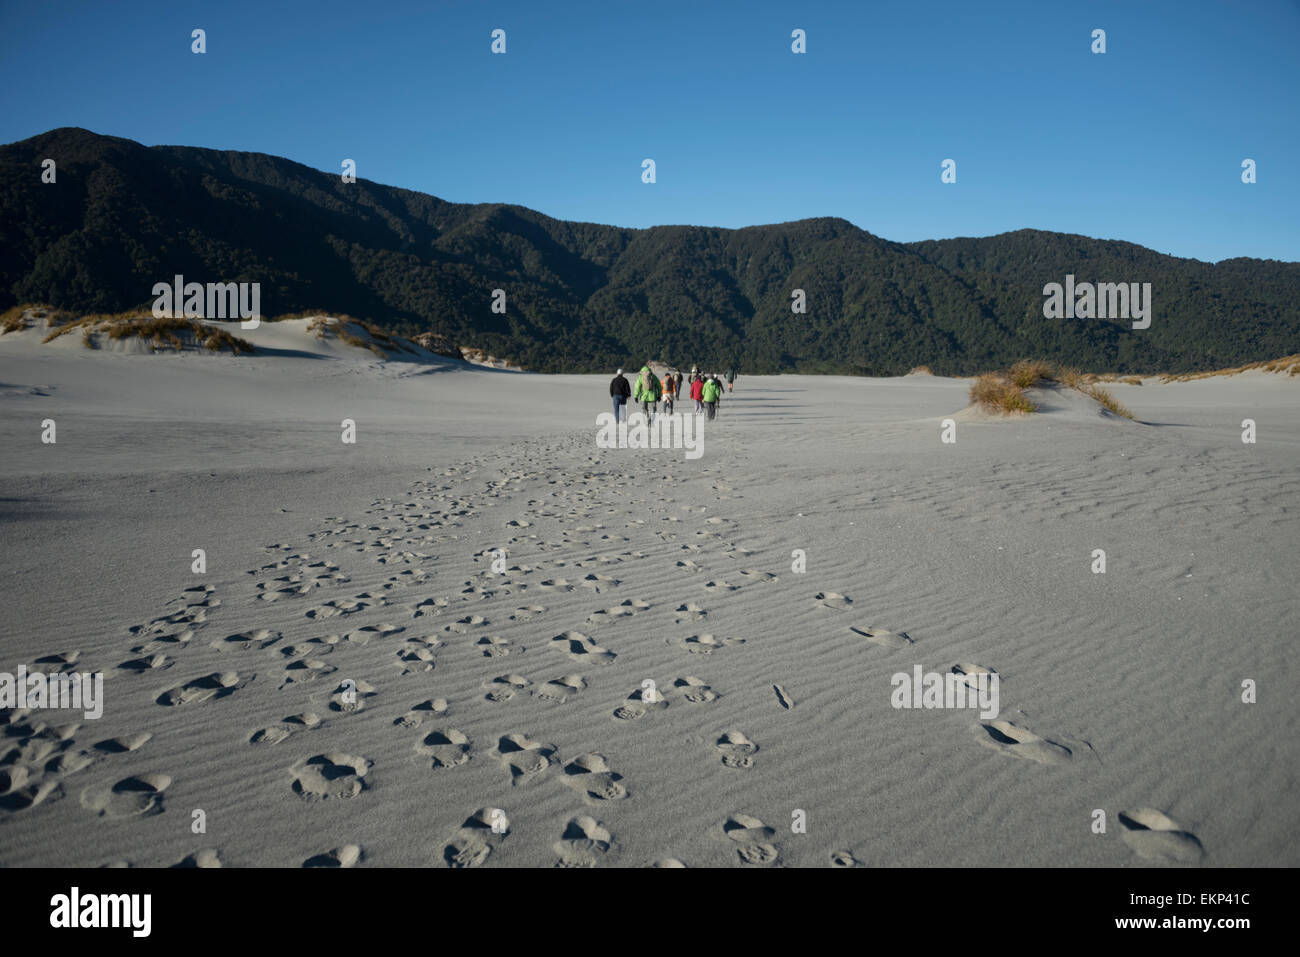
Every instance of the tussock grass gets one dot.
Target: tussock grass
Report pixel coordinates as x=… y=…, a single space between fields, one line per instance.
x=341 y=326
x=1107 y=399
x=16 y=318
x=167 y=333
x=1027 y=373
x=996 y=392
x=1287 y=364
x=1004 y=392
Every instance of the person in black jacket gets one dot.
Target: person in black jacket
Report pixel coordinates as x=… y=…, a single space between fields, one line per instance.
x=619 y=391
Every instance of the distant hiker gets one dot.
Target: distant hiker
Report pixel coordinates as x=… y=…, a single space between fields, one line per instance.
x=619 y=390
x=647 y=392
x=731 y=379
x=697 y=391
x=670 y=392
x=710 y=393
x=677 y=382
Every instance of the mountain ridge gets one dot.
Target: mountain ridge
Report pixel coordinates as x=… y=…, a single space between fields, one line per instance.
x=586 y=296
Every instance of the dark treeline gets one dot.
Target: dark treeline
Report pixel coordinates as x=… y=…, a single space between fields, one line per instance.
x=585 y=297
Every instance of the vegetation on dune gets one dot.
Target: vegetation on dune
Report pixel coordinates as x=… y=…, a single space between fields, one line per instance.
x=1004 y=392
x=586 y=297
x=163 y=334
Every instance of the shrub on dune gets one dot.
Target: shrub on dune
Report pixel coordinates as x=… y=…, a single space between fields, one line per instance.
x=994 y=392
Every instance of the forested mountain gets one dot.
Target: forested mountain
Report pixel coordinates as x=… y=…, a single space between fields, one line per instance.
x=585 y=297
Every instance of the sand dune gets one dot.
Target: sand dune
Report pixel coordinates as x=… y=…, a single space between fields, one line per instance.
x=474 y=638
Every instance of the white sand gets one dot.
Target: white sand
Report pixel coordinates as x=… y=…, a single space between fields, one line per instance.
x=978 y=552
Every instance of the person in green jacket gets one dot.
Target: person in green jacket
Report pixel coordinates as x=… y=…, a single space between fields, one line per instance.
x=647 y=391
x=712 y=392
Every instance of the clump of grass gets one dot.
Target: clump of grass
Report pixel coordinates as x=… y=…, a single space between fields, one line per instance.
x=921 y=370
x=1288 y=364
x=15 y=318
x=1027 y=373
x=998 y=393
x=1069 y=377
x=1107 y=400
x=168 y=332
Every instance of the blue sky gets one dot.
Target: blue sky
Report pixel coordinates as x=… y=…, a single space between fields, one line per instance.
x=1143 y=143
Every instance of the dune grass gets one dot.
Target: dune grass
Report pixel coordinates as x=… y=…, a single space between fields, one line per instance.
x=162 y=334
x=1004 y=392
x=996 y=392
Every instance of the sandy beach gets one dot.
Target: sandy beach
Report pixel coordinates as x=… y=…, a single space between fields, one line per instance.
x=351 y=680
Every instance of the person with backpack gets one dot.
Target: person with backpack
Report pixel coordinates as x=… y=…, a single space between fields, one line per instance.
x=647 y=392
x=670 y=391
x=697 y=392
x=731 y=379
x=619 y=390
x=710 y=393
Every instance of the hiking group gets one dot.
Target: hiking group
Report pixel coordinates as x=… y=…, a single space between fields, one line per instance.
x=651 y=392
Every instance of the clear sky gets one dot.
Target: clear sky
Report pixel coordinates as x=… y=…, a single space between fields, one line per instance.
x=1142 y=143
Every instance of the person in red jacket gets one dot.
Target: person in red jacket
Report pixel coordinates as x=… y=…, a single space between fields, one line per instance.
x=697 y=392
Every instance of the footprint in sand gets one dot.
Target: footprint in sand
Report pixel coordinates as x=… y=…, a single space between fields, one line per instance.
x=525 y=758
x=331 y=775
x=621 y=610
x=216 y=685
x=591 y=775
x=706 y=644
x=257 y=640
x=123 y=744
x=883 y=637
x=693 y=689
x=493 y=646
x=736 y=750
x=341 y=606
x=462 y=625
x=970 y=673
x=289 y=726
x=349 y=855
x=783 y=697
x=505 y=687
x=208 y=857
x=473 y=842
x=640 y=703
x=584 y=843
x=416 y=655
x=422 y=712
x=444 y=748
x=716 y=587
x=304 y=670
x=556 y=584
x=689 y=612
x=599 y=583
x=430 y=606
x=1154 y=836
x=560 y=690
x=753 y=575
x=580 y=647
x=139 y=666
x=527 y=612
x=130 y=797
x=164 y=642
x=363 y=636
x=845 y=859
x=1012 y=739
x=351 y=696
x=831 y=599
x=753 y=839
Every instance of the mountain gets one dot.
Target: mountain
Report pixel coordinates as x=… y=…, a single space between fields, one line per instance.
x=586 y=297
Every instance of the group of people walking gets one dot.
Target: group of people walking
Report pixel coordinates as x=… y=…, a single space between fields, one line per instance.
x=704 y=389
